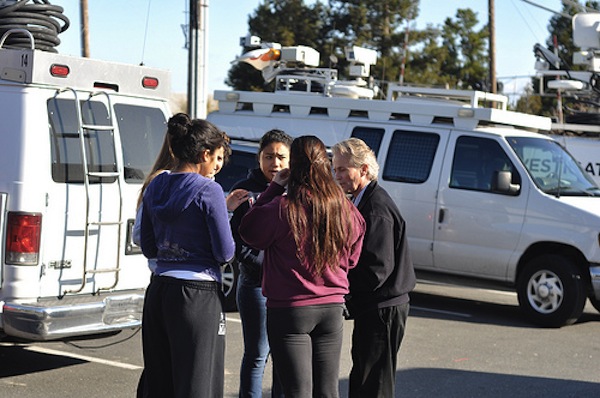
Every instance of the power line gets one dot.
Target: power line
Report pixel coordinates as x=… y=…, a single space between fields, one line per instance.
x=146 y=32
x=562 y=14
x=526 y=20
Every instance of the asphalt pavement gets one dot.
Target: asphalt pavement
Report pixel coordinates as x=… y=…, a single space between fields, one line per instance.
x=460 y=342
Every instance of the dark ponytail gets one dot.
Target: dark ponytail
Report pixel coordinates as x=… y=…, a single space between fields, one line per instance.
x=318 y=210
x=178 y=126
x=191 y=137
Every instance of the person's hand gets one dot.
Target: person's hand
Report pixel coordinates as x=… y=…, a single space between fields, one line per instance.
x=282 y=177
x=236 y=198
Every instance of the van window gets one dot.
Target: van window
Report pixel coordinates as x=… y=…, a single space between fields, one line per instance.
x=410 y=156
x=142 y=130
x=372 y=137
x=475 y=162
x=66 y=154
x=552 y=168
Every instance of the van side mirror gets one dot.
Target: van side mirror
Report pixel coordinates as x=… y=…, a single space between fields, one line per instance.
x=502 y=183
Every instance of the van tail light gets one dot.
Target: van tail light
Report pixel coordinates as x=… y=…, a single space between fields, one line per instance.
x=23 y=232
x=58 y=70
x=149 y=82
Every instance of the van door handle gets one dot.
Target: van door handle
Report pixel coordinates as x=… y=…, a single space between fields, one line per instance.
x=441 y=215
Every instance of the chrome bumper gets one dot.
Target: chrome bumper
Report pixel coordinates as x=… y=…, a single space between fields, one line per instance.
x=595 y=275
x=71 y=317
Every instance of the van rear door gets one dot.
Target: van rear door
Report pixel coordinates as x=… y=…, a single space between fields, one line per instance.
x=80 y=196
x=477 y=228
x=88 y=220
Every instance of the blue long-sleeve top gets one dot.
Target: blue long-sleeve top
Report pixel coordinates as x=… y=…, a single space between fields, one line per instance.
x=185 y=225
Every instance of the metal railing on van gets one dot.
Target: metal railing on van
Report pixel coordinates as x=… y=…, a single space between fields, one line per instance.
x=109 y=129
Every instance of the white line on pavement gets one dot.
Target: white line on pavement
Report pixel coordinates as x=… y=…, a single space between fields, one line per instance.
x=461 y=314
x=43 y=350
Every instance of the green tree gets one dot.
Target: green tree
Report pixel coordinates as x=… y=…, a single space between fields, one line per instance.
x=375 y=24
x=454 y=55
x=529 y=103
x=425 y=65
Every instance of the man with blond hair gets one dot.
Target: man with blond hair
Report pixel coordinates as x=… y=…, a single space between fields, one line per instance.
x=380 y=283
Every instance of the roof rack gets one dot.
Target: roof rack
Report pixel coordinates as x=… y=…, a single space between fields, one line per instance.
x=243 y=139
x=419 y=111
x=578 y=129
x=31 y=66
x=469 y=97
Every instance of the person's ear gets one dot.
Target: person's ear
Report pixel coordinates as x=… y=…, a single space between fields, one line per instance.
x=364 y=170
x=204 y=156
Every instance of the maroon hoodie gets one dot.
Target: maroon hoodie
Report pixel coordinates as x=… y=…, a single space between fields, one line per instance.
x=288 y=282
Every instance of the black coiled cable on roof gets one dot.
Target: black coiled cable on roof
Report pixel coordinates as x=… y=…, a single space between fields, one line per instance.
x=42 y=19
x=582 y=111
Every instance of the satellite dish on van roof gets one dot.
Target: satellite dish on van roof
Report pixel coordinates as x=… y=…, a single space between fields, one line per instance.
x=586 y=30
x=566 y=84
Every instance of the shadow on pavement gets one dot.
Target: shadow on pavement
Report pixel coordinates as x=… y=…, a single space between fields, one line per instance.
x=448 y=383
x=434 y=306
x=17 y=360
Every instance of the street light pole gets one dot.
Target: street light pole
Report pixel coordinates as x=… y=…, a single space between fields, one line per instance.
x=492 y=42
x=85 y=31
x=197 y=52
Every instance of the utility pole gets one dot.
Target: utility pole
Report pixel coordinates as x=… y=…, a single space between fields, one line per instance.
x=492 y=42
x=85 y=32
x=559 y=105
x=405 y=50
x=197 y=52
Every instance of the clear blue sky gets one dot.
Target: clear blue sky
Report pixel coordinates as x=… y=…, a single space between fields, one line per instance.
x=118 y=33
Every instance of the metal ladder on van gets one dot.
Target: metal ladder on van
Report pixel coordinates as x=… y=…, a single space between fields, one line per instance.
x=81 y=129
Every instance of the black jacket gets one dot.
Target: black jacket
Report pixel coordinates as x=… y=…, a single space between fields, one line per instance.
x=384 y=275
x=250 y=259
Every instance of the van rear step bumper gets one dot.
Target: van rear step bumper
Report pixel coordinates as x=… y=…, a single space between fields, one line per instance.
x=56 y=319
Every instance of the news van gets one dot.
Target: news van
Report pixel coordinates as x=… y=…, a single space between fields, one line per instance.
x=486 y=193
x=78 y=136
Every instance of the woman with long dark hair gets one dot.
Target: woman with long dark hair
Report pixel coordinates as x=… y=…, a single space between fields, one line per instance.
x=185 y=226
x=311 y=237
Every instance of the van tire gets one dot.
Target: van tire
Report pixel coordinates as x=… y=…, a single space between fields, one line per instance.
x=551 y=291
x=229 y=274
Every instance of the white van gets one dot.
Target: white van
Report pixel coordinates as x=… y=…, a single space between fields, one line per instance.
x=484 y=194
x=77 y=137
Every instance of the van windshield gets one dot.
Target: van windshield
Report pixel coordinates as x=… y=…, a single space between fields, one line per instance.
x=552 y=168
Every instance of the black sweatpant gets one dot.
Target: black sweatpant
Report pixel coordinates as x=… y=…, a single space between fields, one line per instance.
x=183 y=338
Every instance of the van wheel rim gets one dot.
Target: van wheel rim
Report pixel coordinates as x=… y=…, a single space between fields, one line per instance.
x=227 y=279
x=545 y=292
